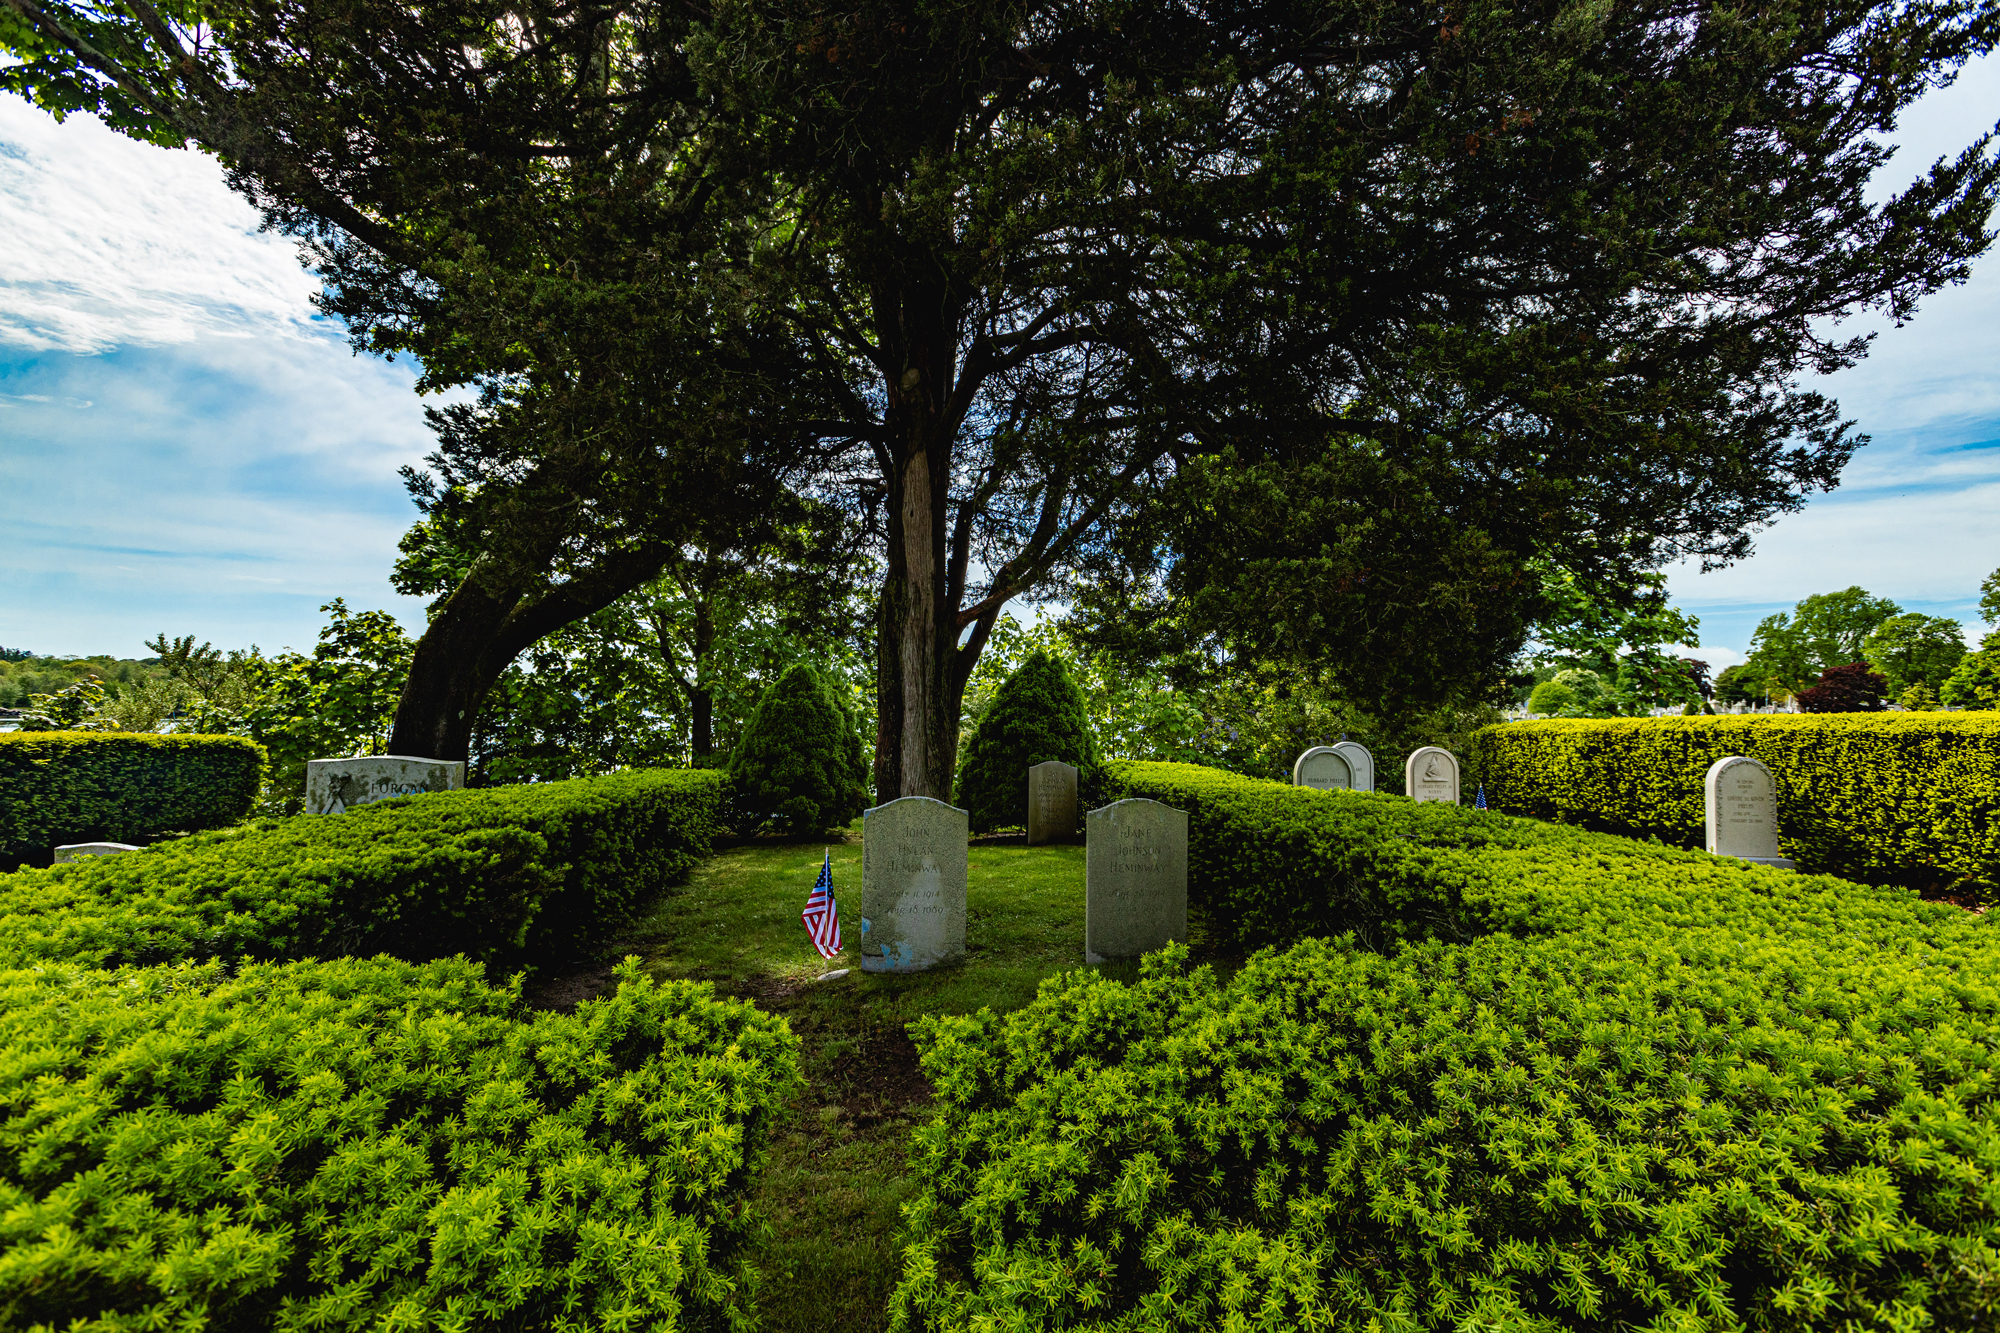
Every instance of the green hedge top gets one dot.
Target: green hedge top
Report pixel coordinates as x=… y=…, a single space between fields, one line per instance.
x=61 y=787
x=1901 y=796
x=372 y=1145
x=1620 y=1086
x=490 y=873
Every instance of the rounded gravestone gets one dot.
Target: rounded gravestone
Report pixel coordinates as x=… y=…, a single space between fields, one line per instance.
x=1431 y=774
x=1742 y=806
x=1323 y=768
x=1360 y=761
x=912 y=885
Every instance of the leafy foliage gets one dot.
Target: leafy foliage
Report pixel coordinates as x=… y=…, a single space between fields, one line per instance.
x=1909 y=798
x=1914 y=650
x=363 y=1145
x=1036 y=715
x=799 y=764
x=65 y=786
x=1791 y=649
x=500 y=874
x=1975 y=682
x=1852 y=688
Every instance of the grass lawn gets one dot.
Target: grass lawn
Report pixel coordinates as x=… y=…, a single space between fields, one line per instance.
x=836 y=1175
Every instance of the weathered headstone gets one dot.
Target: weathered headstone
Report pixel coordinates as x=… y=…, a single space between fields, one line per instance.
x=1051 y=803
x=1360 y=761
x=83 y=851
x=1135 y=879
x=1742 y=800
x=912 y=885
x=1431 y=774
x=1323 y=768
x=334 y=786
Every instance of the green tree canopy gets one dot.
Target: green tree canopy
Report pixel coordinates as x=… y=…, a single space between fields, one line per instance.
x=1915 y=649
x=799 y=764
x=1791 y=650
x=1036 y=715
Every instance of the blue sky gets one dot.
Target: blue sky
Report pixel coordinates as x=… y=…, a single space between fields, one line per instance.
x=185 y=447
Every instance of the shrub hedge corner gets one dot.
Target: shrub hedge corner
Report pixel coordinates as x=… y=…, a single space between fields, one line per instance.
x=61 y=787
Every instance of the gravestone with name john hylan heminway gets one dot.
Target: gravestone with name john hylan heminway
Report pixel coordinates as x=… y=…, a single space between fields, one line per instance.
x=334 y=786
x=1323 y=768
x=1051 y=803
x=912 y=885
x=1431 y=774
x=1135 y=879
x=1742 y=801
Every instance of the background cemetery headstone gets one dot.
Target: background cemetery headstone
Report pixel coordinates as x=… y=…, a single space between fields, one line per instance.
x=1359 y=762
x=83 y=851
x=1135 y=879
x=1742 y=809
x=1431 y=774
x=1051 y=803
x=1323 y=768
x=912 y=885
x=337 y=785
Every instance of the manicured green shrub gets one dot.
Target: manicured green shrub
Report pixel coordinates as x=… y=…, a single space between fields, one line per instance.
x=497 y=874
x=1036 y=715
x=1584 y=1083
x=799 y=762
x=376 y=1145
x=1893 y=797
x=82 y=786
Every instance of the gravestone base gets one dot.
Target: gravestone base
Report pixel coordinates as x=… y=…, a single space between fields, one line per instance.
x=1774 y=862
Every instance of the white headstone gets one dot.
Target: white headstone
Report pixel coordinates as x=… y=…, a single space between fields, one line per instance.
x=1051 y=803
x=1742 y=800
x=334 y=786
x=912 y=885
x=83 y=851
x=1135 y=879
x=1323 y=768
x=1360 y=761
x=1431 y=774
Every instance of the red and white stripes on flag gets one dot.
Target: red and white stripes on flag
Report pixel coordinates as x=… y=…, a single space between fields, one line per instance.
x=822 y=914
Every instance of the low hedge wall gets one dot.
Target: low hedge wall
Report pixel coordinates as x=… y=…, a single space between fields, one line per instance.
x=494 y=873
x=1585 y=1083
x=1910 y=798
x=84 y=786
x=376 y=1145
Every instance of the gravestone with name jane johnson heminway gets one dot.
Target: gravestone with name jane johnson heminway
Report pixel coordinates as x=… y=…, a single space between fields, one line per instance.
x=1051 y=803
x=1135 y=879
x=1323 y=768
x=334 y=786
x=1431 y=774
x=1360 y=762
x=83 y=851
x=1742 y=801
x=912 y=884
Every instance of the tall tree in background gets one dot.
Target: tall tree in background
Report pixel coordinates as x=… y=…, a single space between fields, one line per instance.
x=1791 y=649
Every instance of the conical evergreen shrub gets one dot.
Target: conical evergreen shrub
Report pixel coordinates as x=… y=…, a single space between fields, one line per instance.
x=1036 y=715
x=799 y=762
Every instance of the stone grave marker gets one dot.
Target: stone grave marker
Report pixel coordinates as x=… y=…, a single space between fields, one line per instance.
x=1051 y=803
x=1742 y=801
x=1360 y=762
x=83 y=851
x=1323 y=768
x=1431 y=774
x=1135 y=879
x=912 y=885
x=334 y=786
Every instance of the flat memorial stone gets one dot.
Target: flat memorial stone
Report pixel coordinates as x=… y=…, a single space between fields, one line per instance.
x=83 y=851
x=1431 y=774
x=1135 y=879
x=334 y=786
x=1742 y=801
x=1323 y=768
x=912 y=885
x=1360 y=761
x=1051 y=803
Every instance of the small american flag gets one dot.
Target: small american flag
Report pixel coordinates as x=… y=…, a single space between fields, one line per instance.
x=1479 y=799
x=822 y=914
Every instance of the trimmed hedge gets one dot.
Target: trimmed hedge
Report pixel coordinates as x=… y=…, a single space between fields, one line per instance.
x=376 y=1145
x=60 y=787
x=492 y=873
x=1911 y=798
x=1593 y=1084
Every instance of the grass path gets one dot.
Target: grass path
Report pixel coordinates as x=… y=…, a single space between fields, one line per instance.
x=836 y=1176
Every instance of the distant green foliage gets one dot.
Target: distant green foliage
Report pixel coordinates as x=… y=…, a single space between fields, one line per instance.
x=1915 y=650
x=497 y=874
x=1601 y=1085
x=1974 y=683
x=1552 y=698
x=367 y=1145
x=1790 y=649
x=799 y=764
x=1036 y=715
x=68 y=786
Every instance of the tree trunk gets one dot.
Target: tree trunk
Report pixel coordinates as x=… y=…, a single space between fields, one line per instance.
x=701 y=699
x=916 y=736
x=452 y=671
